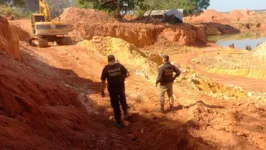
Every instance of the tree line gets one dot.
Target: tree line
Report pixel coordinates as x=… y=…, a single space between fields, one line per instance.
x=190 y=7
x=118 y=7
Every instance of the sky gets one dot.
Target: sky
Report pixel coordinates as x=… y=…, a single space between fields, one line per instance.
x=228 y=5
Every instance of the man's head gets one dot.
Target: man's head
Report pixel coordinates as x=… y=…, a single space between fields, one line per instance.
x=111 y=58
x=165 y=58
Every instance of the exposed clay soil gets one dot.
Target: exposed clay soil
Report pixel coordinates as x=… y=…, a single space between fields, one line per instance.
x=211 y=15
x=235 y=21
x=90 y=23
x=52 y=100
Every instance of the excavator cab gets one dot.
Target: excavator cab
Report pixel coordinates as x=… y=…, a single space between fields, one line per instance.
x=36 y=18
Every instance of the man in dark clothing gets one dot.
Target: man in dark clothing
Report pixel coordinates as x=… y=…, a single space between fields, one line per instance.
x=166 y=79
x=115 y=73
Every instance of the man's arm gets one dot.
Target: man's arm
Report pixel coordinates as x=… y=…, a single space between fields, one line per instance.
x=103 y=87
x=103 y=84
x=160 y=76
x=177 y=72
x=125 y=71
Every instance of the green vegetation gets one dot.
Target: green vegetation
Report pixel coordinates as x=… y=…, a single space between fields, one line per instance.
x=117 y=7
x=12 y=3
x=190 y=7
x=7 y=11
x=24 y=8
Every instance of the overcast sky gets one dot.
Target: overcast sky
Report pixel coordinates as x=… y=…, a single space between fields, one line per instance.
x=227 y=5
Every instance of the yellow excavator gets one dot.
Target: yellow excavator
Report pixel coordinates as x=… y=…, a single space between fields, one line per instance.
x=45 y=30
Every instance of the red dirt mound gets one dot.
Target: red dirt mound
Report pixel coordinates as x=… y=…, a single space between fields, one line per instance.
x=241 y=14
x=32 y=108
x=84 y=15
x=247 y=13
x=9 y=41
x=22 y=35
x=211 y=15
x=236 y=14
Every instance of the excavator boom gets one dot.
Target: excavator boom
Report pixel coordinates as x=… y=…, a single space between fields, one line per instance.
x=44 y=9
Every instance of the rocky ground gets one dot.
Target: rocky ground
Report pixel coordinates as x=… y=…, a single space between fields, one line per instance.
x=51 y=99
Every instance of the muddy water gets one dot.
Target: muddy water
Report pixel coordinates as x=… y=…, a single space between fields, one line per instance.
x=241 y=44
x=240 y=41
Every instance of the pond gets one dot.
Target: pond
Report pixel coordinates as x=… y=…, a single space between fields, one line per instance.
x=241 y=44
x=240 y=41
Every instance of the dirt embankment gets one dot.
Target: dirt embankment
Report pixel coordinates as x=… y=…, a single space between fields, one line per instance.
x=229 y=23
x=128 y=54
x=9 y=40
x=89 y=23
x=211 y=15
x=33 y=107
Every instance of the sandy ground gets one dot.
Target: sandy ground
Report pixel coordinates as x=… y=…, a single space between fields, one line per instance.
x=252 y=85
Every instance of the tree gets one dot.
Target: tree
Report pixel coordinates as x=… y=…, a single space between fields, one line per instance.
x=190 y=6
x=121 y=7
x=13 y=2
x=195 y=7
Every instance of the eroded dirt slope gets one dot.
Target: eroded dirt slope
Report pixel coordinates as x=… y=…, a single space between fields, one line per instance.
x=9 y=41
x=90 y=23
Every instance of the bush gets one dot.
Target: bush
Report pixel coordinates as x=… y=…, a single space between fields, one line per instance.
x=27 y=14
x=141 y=12
x=8 y=12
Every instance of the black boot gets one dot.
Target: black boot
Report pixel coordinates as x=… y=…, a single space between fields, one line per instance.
x=171 y=107
x=162 y=109
x=118 y=124
x=126 y=115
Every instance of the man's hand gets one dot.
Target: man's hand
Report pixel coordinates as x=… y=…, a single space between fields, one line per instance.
x=103 y=94
x=173 y=80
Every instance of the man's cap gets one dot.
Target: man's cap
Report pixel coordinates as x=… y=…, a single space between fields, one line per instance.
x=111 y=58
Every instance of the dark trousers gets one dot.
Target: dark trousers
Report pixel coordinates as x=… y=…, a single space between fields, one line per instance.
x=118 y=97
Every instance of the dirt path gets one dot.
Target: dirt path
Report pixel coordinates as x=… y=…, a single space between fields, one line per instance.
x=252 y=85
x=202 y=122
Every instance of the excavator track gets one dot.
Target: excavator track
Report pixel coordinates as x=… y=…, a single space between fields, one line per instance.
x=38 y=42
x=44 y=41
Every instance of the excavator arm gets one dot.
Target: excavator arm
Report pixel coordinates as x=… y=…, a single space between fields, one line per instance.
x=44 y=9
